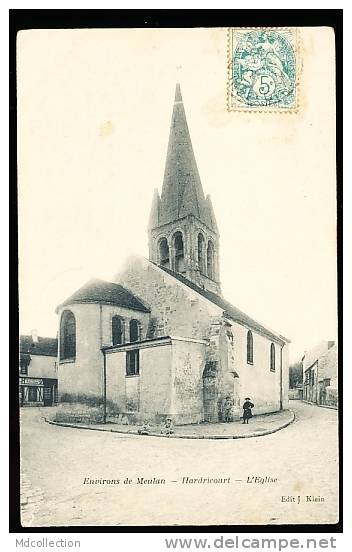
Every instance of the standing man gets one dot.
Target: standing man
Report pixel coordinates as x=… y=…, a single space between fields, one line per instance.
x=247 y=410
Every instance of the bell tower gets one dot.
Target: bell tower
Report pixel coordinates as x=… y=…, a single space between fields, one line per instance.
x=182 y=231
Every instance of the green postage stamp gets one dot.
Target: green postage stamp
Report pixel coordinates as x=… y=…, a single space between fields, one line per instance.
x=263 y=69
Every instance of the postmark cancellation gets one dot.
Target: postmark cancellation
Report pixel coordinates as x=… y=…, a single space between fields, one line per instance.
x=263 y=69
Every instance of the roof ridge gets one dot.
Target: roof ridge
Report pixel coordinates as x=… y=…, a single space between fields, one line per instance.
x=224 y=304
x=101 y=291
x=46 y=346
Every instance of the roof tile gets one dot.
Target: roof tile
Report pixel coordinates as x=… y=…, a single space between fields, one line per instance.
x=229 y=309
x=46 y=346
x=108 y=293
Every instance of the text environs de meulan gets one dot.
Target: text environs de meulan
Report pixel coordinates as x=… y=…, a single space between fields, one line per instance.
x=186 y=480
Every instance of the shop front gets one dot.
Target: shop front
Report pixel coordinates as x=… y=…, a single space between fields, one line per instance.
x=38 y=391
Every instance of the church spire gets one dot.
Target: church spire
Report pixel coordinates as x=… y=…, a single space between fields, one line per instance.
x=178 y=95
x=182 y=192
x=155 y=210
x=182 y=231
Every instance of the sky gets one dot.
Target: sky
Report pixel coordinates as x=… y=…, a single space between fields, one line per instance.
x=94 y=110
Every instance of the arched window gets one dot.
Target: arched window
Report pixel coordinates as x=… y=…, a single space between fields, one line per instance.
x=134 y=330
x=210 y=260
x=117 y=330
x=201 y=253
x=272 y=357
x=164 y=257
x=179 y=253
x=67 y=336
x=249 y=347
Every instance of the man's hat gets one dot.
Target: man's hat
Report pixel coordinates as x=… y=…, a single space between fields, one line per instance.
x=247 y=399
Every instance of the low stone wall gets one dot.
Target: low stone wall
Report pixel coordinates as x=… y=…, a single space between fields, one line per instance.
x=90 y=410
x=132 y=418
x=295 y=394
x=79 y=408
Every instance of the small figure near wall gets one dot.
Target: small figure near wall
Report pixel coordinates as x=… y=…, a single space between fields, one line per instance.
x=247 y=410
x=228 y=405
x=167 y=428
x=145 y=428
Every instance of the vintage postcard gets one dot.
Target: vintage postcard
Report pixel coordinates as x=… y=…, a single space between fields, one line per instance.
x=177 y=276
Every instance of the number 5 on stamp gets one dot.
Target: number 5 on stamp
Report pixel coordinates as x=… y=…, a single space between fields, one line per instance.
x=263 y=73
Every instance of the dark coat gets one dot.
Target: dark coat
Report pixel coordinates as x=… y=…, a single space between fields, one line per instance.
x=247 y=410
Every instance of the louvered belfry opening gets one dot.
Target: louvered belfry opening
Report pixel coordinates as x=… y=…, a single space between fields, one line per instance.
x=201 y=253
x=179 y=253
x=164 y=253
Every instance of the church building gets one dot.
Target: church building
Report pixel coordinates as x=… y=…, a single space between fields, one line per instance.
x=160 y=341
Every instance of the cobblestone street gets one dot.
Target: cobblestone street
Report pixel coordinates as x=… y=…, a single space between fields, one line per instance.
x=302 y=458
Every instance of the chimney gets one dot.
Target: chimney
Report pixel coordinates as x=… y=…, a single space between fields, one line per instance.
x=34 y=334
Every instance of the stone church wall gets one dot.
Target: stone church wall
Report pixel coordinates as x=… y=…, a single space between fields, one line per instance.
x=108 y=311
x=83 y=376
x=256 y=380
x=169 y=383
x=188 y=361
x=155 y=388
x=176 y=309
x=189 y=379
x=145 y=396
x=219 y=381
x=182 y=312
x=285 y=375
x=81 y=381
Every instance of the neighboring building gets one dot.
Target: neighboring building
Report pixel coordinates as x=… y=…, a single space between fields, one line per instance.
x=320 y=374
x=161 y=340
x=38 y=370
x=296 y=393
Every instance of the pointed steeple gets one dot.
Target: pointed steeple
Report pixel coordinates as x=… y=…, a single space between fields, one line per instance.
x=182 y=192
x=211 y=214
x=182 y=231
x=178 y=95
x=155 y=210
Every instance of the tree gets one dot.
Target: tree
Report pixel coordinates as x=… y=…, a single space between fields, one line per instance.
x=296 y=374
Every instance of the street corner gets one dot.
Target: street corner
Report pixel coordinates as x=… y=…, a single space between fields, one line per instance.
x=260 y=425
